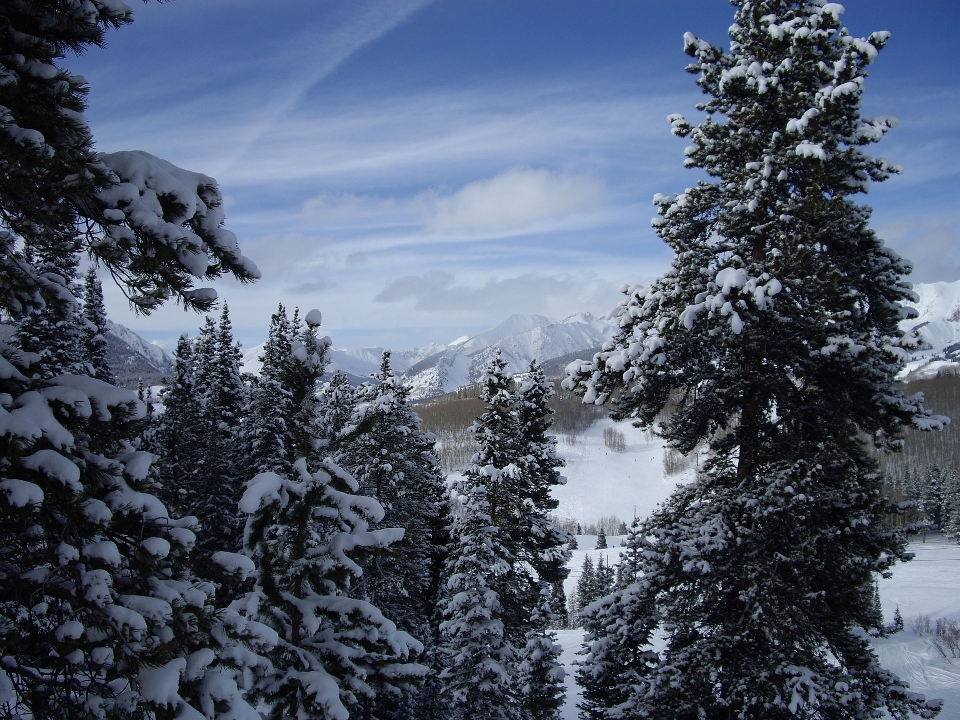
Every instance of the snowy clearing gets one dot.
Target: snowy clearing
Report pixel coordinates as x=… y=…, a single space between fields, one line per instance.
x=926 y=587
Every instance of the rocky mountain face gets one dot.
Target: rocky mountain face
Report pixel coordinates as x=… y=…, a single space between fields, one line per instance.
x=520 y=338
x=437 y=369
x=132 y=359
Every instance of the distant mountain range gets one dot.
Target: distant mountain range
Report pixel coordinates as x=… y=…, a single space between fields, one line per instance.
x=437 y=369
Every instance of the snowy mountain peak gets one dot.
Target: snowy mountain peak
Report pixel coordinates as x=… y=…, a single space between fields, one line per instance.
x=938 y=325
x=520 y=340
x=516 y=324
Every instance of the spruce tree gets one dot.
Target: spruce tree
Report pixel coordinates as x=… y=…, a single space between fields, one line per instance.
x=485 y=617
x=335 y=411
x=179 y=433
x=310 y=535
x=101 y=614
x=95 y=327
x=393 y=461
x=307 y=532
x=540 y=545
x=773 y=339
x=586 y=583
x=271 y=403
x=478 y=658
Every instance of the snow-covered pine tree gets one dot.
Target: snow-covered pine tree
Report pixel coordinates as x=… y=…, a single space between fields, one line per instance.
x=94 y=328
x=101 y=616
x=335 y=412
x=516 y=465
x=393 y=461
x=179 y=432
x=307 y=534
x=478 y=676
x=226 y=397
x=616 y=663
x=541 y=546
x=586 y=584
x=601 y=540
x=486 y=618
x=775 y=335
x=52 y=335
x=271 y=403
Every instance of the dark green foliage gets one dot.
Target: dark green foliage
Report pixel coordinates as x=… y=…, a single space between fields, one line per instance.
x=94 y=328
x=307 y=532
x=96 y=591
x=506 y=557
x=271 y=403
x=199 y=435
x=773 y=341
x=393 y=461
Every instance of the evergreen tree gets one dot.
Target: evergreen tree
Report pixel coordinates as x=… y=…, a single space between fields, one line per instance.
x=95 y=327
x=307 y=532
x=604 y=578
x=180 y=432
x=775 y=334
x=601 y=540
x=539 y=671
x=101 y=616
x=541 y=546
x=478 y=659
x=335 y=411
x=223 y=397
x=271 y=403
x=52 y=334
x=485 y=587
x=310 y=537
x=393 y=461
x=586 y=584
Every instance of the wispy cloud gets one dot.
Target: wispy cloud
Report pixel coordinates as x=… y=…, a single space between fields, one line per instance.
x=553 y=294
x=367 y=26
x=514 y=200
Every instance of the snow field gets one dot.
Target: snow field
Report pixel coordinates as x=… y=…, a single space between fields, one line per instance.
x=928 y=585
x=601 y=482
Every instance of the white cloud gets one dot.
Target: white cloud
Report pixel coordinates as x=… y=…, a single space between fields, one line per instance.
x=515 y=200
x=554 y=294
x=931 y=243
x=416 y=287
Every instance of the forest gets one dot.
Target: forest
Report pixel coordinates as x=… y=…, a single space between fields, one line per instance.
x=289 y=546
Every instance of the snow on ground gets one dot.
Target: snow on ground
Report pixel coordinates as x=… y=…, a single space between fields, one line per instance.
x=602 y=482
x=926 y=587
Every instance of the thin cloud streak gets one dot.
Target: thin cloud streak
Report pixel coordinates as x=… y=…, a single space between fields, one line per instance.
x=370 y=25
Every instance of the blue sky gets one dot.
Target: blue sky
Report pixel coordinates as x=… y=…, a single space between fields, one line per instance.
x=421 y=170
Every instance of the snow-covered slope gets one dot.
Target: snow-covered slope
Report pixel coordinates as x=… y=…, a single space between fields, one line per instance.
x=926 y=589
x=133 y=360
x=602 y=482
x=153 y=354
x=938 y=324
x=437 y=369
